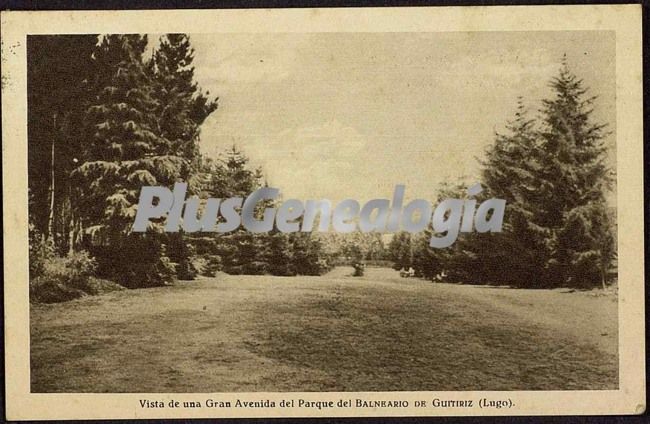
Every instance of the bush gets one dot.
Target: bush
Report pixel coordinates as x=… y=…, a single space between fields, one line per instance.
x=207 y=265
x=62 y=278
x=44 y=289
x=100 y=286
x=40 y=251
x=214 y=265
x=139 y=260
x=165 y=270
x=73 y=269
x=358 y=269
x=255 y=268
x=179 y=251
x=185 y=270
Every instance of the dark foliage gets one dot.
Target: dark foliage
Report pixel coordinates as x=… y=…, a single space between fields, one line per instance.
x=553 y=175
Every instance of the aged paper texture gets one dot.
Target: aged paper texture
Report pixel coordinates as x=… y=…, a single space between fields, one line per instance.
x=323 y=212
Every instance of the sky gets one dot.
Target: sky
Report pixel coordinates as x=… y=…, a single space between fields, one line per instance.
x=351 y=115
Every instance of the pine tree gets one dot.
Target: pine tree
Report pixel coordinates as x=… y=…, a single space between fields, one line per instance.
x=554 y=179
x=574 y=168
x=511 y=171
x=238 y=178
x=125 y=152
x=181 y=105
x=307 y=254
x=181 y=109
x=241 y=251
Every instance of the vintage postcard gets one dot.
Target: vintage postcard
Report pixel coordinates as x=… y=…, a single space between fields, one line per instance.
x=323 y=212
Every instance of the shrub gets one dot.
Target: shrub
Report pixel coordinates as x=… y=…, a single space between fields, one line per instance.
x=255 y=268
x=62 y=278
x=213 y=265
x=73 y=269
x=185 y=270
x=140 y=260
x=179 y=251
x=207 y=265
x=44 y=289
x=324 y=266
x=40 y=251
x=199 y=263
x=100 y=286
x=358 y=269
x=165 y=270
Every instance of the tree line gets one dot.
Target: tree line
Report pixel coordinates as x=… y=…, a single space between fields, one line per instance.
x=107 y=116
x=105 y=119
x=558 y=228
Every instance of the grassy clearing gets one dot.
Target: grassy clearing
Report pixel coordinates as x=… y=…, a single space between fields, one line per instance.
x=330 y=333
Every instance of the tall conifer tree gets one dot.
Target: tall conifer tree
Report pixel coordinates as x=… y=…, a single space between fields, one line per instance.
x=512 y=172
x=125 y=151
x=181 y=105
x=574 y=167
x=181 y=108
x=554 y=176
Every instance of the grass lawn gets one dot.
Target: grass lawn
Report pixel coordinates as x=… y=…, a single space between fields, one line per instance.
x=379 y=332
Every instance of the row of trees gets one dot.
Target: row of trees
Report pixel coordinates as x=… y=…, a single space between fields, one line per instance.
x=558 y=228
x=105 y=119
x=244 y=252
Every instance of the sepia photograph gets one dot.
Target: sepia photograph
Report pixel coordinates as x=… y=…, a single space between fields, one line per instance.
x=325 y=213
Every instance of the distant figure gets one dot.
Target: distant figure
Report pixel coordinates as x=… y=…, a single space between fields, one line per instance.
x=411 y=272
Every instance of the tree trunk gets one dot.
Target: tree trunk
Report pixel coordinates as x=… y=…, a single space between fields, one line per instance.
x=71 y=236
x=72 y=221
x=50 y=223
